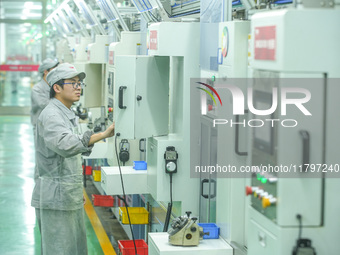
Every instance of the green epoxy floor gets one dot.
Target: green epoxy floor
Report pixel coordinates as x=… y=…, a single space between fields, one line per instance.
x=21 y=98
x=17 y=221
x=19 y=233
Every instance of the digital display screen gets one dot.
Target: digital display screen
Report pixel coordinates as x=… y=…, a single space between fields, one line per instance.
x=264 y=135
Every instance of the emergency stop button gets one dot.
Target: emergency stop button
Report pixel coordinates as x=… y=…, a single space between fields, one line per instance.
x=250 y=190
x=110 y=109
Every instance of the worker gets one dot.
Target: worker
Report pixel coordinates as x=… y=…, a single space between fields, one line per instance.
x=58 y=192
x=40 y=94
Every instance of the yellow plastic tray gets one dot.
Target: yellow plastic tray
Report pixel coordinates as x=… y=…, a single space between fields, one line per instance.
x=138 y=215
x=97 y=175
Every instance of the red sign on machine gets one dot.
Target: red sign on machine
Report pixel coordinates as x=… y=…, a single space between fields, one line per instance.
x=153 y=40
x=19 y=57
x=19 y=68
x=111 y=57
x=265 y=43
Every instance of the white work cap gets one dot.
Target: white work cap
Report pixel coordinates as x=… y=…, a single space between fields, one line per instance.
x=64 y=71
x=47 y=64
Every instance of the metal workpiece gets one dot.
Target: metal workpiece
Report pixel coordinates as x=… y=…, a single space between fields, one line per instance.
x=184 y=231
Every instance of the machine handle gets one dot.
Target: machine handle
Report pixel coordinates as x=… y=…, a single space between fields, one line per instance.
x=202 y=183
x=140 y=144
x=305 y=148
x=120 y=102
x=214 y=194
x=237 y=151
x=207 y=181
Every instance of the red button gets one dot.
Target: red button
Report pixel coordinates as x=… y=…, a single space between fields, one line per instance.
x=249 y=190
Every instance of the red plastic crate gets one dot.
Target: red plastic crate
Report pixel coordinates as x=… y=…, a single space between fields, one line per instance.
x=127 y=247
x=102 y=200
x=120 y=203
x=88 y=170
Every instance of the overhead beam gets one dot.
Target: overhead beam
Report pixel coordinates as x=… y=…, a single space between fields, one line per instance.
x=9 y=1
x=43 y=30
x=21 y=21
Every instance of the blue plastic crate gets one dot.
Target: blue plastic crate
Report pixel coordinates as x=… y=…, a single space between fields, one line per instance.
x=212 y=228
x=139 y=165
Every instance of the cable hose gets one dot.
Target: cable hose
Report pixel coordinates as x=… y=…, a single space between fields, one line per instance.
x=123 y=199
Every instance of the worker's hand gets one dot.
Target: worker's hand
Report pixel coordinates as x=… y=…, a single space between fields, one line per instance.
x=84 y=200
x=110 y=131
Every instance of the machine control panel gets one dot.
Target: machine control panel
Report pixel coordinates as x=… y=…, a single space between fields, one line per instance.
x=110 y=109
x=264 y=148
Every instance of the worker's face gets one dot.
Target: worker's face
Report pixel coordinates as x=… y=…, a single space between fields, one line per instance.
x=71 y=91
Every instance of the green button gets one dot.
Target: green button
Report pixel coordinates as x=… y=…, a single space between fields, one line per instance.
x=259 y=177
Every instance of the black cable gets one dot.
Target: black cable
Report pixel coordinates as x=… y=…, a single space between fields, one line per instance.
x=153 y=16
x=171 y=188
x=168 y=212
x=126 y=205
x=299 y=217
x=170 y=16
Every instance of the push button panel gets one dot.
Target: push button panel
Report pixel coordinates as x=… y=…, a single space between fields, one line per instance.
x=263 y=192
